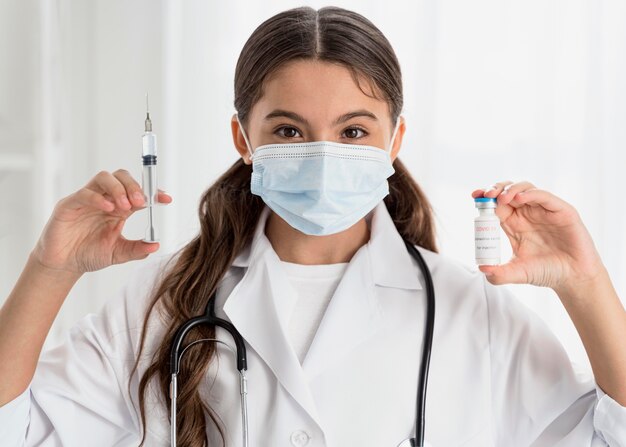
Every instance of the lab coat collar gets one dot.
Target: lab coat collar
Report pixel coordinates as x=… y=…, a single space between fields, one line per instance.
x=391 y=264
x=261 y=303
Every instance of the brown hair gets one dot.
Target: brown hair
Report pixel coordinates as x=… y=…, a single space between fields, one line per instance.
x=229 y=212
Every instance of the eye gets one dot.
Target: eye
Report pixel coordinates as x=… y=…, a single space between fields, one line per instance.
x=287 y=132
x=354 y=133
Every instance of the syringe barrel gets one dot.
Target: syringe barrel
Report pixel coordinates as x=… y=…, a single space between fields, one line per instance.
x=149 y=144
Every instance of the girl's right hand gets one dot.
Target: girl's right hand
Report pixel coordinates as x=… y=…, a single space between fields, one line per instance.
x=84 y=233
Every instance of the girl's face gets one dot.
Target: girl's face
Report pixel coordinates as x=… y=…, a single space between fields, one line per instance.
x=312 y=100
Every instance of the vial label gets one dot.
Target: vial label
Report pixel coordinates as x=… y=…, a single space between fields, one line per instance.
x=487 y=240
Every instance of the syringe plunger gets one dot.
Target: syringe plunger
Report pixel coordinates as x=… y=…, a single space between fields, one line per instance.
x=149 y=144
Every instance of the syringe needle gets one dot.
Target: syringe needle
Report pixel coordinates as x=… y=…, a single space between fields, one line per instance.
x=148 y=123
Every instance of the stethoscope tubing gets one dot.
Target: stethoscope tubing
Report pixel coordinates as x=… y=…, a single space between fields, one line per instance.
x=428 y=343
x=176 y=356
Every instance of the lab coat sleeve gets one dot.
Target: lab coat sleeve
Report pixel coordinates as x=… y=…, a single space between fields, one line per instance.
x=14 y=419
x=538 y=398
x=79 y=393
x=610 y=419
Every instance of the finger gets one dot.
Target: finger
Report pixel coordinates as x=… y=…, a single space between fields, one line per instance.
x=87 y=198
x=508 y=273
x=164 y=197
x=105 y=182
x=496 y=188
x=478 y=193
x=131 y=250
x=481 y=192
x=502 y=212
x=509 y=191
x=133 y=190
x=542 y=198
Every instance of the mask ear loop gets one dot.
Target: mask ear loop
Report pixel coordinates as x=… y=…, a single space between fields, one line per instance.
x=245 y=137
x=393 y=136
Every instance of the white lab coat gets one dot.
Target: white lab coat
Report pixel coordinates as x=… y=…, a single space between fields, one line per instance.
x=498 y=375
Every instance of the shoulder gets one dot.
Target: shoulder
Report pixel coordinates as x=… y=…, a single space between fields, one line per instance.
x=454 y=278
x=145 y=277
x=463 y=285
x=120 y=321
x=443 y=263
x=134 y=302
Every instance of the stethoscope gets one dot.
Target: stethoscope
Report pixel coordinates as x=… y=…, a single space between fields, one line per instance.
x=210 y=318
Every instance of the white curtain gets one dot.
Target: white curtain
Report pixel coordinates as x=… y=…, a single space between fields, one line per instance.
x=494 y=90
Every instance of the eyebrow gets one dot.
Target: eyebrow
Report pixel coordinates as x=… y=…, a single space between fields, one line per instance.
x=342 y=119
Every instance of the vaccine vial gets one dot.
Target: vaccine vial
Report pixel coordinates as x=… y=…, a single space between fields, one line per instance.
x=487 y=232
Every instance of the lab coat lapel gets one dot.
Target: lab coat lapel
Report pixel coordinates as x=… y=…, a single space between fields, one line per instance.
x=259 y=307
x=260 y=304
x=356 y=310
x=352 y=316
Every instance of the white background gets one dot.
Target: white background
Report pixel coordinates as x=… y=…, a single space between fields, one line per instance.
x=494 y=90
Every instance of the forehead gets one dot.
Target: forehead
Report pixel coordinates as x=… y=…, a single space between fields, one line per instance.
x=319 y=91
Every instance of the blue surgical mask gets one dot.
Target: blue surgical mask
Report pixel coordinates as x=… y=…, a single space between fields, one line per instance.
x=320 y=187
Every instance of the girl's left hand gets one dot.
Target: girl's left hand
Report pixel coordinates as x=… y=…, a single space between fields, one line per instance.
x=551 y=245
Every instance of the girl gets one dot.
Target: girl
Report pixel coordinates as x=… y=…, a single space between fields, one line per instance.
x=302 y=242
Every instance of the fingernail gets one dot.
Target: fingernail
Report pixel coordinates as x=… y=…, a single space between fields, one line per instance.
x=138 y=196
x=488 y=273
x=125 y=201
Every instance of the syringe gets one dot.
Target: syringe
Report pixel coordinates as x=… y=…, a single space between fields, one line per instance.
x=149 y=178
